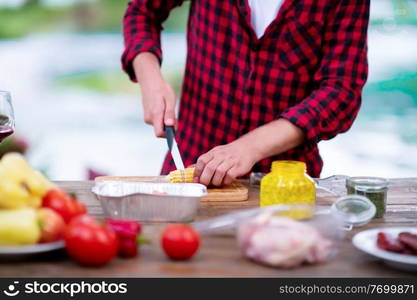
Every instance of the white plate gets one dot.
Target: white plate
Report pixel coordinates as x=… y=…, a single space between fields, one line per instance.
x=366 y=241
x=17 y=251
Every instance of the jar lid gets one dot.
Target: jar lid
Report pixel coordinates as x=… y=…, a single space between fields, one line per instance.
x=367 y=184
x=288 y=165
x=354 y=210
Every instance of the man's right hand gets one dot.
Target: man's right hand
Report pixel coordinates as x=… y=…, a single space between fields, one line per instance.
x=158 y=97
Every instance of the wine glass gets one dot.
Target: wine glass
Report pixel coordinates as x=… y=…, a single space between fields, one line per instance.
x=6 y=115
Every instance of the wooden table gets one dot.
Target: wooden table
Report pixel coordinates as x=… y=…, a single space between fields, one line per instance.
x=219 y=255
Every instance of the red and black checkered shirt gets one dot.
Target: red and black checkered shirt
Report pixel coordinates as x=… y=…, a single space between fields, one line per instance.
x=309 y=67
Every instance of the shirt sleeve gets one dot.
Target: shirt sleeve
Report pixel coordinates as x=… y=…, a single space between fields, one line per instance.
x=142 y=28
x=334 y=105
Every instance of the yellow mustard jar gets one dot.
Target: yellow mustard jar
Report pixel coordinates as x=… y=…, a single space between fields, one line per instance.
x=288 y=183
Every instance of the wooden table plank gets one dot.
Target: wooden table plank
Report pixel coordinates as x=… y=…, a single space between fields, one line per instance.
x=219 y=255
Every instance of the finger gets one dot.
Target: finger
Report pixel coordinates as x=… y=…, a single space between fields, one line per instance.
x=230 y=176
x=191 y=166
x=202 y=161
x=158 y=123
x=209 y=170
x=147 y=118
x=147 y=113
x=221 y=171
x=170 y=100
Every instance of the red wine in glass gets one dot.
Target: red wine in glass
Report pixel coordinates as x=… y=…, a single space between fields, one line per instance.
x=5 y=131
x=6 y=115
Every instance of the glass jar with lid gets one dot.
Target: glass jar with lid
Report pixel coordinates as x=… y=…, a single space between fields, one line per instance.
x=287 y=183
x=374 y=188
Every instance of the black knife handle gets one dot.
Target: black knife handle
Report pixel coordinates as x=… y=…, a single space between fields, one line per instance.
x=170 y=135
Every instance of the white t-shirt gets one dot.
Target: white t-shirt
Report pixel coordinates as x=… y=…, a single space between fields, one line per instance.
x=263 y=12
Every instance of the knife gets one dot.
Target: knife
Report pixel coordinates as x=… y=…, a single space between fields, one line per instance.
x=173 y=147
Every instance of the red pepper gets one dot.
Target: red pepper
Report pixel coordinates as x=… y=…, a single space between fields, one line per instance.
x=128 y=248
x=127 y=232
x=125 y=228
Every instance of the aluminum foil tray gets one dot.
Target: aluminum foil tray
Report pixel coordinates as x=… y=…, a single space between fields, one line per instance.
x=149 y=201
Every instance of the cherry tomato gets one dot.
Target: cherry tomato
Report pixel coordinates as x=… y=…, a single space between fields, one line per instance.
x=180 y=241
x=90 y=242
x=68 y=207
x=52 y=225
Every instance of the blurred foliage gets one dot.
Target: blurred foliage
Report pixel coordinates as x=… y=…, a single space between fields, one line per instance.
x=107 y=15
x=403 y=82
x=399 y=95
x=112 y=81
x=28 y=19
x=96 y=16
x=99 y=81
x=404 y=14
x=178 y=18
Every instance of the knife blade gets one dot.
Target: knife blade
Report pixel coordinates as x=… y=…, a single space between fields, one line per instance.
x=173 y=147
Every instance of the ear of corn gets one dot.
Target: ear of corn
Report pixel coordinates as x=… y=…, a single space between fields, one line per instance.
x=181 y=176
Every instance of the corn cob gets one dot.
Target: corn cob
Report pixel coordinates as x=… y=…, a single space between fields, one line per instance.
x=181 y=176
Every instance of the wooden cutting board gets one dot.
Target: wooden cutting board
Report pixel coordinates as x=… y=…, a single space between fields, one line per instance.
x=234 y=192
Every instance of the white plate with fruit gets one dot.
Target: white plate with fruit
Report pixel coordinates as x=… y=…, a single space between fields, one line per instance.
x=33 y=211
x=31 y=249
x=28 y=231
x=37 y=217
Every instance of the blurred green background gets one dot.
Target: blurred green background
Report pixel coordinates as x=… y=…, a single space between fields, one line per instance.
x=76 y=110
x=20 y=18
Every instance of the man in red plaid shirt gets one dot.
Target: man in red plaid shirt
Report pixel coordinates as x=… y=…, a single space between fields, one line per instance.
x=247 y=99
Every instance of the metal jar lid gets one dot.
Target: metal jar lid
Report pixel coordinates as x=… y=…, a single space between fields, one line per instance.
x=354 y=210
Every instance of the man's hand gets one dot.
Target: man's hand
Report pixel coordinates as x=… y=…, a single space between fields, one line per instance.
x=223 y=164
x=158 y=97
x=158 y=101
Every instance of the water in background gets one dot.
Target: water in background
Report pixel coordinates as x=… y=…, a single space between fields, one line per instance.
x=78 y=110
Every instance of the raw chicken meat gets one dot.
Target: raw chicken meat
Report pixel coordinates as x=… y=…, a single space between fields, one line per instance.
x=282 y=242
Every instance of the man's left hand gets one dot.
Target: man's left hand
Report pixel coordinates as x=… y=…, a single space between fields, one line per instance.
x=222 y=164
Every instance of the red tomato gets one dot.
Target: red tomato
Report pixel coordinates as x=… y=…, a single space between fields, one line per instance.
x=68 y=207
x=89 y=242
x=52 y=225
x=180 y=241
